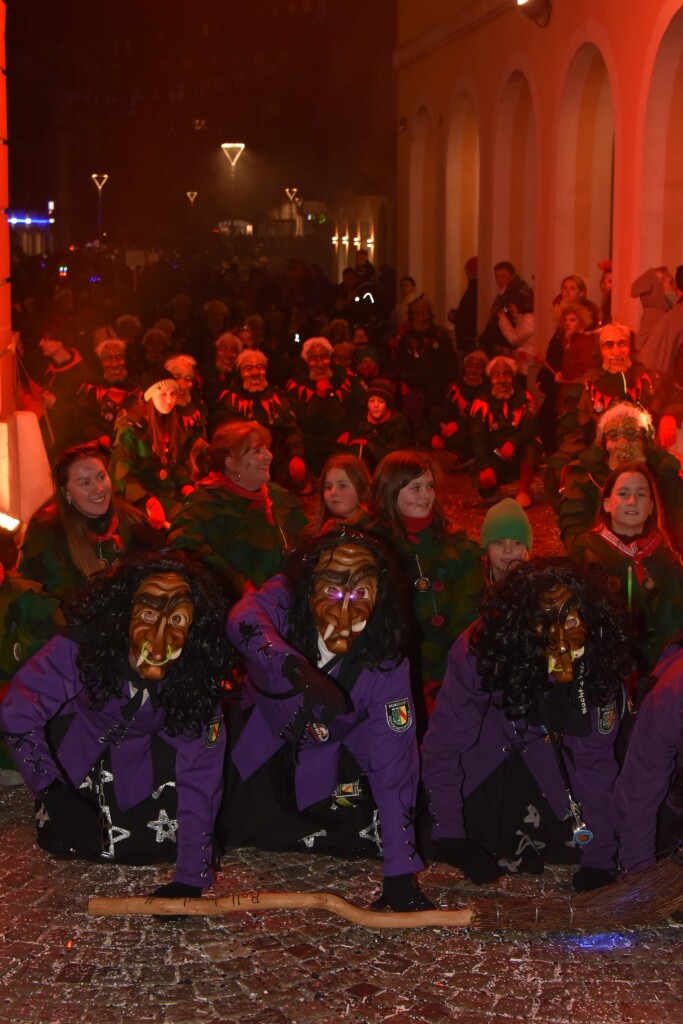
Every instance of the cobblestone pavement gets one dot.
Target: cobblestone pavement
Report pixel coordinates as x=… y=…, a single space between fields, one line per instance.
x=59 y=965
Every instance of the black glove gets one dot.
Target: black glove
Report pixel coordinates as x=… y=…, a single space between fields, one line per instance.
x=76 y=821
x=587 y=879
x=316 y=687
x=472 y=859
x=400 y=893
x=177 y=891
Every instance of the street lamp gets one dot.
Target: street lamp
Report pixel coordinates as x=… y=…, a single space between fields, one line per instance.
x=233 y=151
x=291 y=194
x=100 y=181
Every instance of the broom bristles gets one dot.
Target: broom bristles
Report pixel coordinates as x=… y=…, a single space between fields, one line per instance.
x=640 y=899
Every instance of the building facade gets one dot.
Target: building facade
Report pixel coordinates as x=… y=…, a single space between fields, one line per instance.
x=553 y=147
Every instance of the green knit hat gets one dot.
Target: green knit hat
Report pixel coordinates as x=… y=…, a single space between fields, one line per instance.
x=506 y=521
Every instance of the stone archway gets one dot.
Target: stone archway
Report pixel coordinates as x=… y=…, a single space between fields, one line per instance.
x=661 y=229
x=584 y=161
x=515 y=180
x=462 y=195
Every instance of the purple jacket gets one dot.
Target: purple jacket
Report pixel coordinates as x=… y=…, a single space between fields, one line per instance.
x=385 y=748
x=467 y=741
x=655 y=750
x=49 y=684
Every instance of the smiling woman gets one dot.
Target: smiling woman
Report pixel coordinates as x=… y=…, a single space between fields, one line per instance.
x=630 y=543
x=82 y=528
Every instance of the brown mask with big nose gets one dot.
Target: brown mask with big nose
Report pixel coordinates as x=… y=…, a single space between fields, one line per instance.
x=566 y=634
x=161 y=615
x=345 y=584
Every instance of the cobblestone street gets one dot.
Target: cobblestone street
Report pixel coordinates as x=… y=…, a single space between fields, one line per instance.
x=60 y=965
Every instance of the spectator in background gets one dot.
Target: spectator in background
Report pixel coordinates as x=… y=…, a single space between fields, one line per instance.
x=464 y=316
x=511 y=289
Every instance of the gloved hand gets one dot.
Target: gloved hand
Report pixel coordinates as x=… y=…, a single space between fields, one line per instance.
x=438 y=441
x=155 y=513
x=507 y=450
x=667 y=431
x=471 y=858
x=587 y=879
x=297 y=469
x=487 y=478
x=315 y=685
x=177 y=891
x=76 y=821
x=400 y=893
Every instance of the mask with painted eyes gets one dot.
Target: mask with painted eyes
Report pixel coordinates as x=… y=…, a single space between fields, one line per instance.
x=161 y=615
x=559 y=621
x=345 y=584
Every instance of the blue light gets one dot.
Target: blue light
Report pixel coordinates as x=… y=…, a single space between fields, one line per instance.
x=601 y=941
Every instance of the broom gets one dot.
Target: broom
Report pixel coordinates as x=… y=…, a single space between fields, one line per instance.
x=637 y=900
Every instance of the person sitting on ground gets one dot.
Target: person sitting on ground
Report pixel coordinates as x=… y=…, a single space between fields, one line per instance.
x=344 y=492
x=117 y=728
x=504 y=432
x=450 y=419
x=99 y=404
x=441 y=564
x=327 y=754
x=190 y=407
x=324 y=397
x=506 y=538
x=83 y=528
x=237 y=522
x=150 y=456
x=547 y=658
x=382 y=429
x=628 y=542
x=625 y=435
x=253 y=398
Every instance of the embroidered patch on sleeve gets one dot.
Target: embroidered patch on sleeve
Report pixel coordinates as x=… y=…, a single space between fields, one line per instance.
x=213 y=732
x=399 y=715
x=606 y=718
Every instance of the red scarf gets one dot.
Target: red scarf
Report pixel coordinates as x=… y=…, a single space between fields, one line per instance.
x=413 y=525
x=637 y=549
x=257 y=499
x=110 y=533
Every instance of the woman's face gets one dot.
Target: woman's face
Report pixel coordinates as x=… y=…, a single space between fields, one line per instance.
x=251 y=470
x=416 y=499
x=88 y=487
x=340 y=496
x=570 y=290
x=629 y=504
x=502 y=554
x=571 y=323
x=164 y=400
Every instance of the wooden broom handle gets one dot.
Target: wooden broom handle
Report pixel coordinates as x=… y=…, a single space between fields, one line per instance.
x=239 y=902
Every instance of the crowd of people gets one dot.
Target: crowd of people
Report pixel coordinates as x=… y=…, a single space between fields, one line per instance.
x=270 y=455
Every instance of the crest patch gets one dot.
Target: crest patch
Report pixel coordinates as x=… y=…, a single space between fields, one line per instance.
x=606 y=718
x=399 y=715
x=213 y=732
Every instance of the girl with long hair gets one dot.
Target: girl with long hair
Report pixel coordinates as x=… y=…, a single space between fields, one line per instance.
x=83 y=528
x=442 y=565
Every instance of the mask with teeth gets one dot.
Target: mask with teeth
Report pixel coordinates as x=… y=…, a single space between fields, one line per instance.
x=344 y=592
x=559 y=622
x=161 y=616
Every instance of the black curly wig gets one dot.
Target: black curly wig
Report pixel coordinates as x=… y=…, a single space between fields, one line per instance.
x=511 y=653
x=99 y=616
x=384 y=637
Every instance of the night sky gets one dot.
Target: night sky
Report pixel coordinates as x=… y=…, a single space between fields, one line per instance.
x=146 y=90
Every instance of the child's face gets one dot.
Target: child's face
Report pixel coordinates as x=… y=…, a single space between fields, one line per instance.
x=377 y=408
